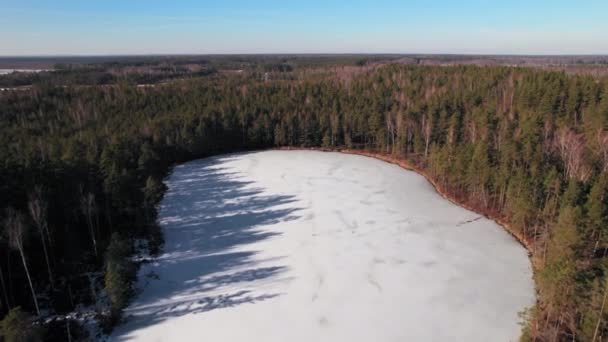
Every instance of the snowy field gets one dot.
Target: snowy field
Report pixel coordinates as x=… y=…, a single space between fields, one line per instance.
x=10 y=71
x=309 y=246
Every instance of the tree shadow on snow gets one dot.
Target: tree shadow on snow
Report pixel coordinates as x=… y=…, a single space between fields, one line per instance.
x=210 y=218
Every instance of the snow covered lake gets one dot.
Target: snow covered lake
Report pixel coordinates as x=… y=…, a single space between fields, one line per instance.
x=310 y=246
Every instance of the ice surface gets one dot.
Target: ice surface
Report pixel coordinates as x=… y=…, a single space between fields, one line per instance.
x=310 y=246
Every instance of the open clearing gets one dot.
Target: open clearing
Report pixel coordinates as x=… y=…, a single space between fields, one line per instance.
x=311 y=246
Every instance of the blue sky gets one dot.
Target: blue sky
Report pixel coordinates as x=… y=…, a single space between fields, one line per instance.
x=52 y=27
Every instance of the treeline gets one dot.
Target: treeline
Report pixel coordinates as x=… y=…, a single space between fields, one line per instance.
x=90 y=71
x=82 y=170
x=91 y=76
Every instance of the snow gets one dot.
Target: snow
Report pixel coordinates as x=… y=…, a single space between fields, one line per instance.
x=10 y=71
x=313 y=246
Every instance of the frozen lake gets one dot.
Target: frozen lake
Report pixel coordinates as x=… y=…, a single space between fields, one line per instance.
x=310 y=246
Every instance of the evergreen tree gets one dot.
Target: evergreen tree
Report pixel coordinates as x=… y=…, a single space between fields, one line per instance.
x=119 y=272
x=17 y=326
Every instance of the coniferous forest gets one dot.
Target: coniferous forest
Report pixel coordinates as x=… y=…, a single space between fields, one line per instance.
x=81 y=170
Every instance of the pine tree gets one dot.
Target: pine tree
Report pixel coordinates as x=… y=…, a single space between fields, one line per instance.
x=119 y=274
x=597 y=211
x=17 y=327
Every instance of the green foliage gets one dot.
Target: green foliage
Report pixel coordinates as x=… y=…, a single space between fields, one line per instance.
x=597 y=207
x=573 y=194
x=594 y=320
x=566 y=237
x=119 y=273
x=153 y=191
x=17 y=327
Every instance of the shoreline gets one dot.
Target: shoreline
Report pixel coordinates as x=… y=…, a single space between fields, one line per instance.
x=506 y=226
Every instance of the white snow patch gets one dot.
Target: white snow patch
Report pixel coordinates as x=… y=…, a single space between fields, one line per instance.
x=311 y=246
x=10 y=71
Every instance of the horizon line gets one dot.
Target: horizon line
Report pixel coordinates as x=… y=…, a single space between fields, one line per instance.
x=308 y=54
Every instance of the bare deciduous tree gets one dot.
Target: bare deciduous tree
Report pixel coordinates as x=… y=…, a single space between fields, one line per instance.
x=427 y=130
x=571 y=147
x=87 y=206
x=38 y=211
x=391 y=122
x=15 y=226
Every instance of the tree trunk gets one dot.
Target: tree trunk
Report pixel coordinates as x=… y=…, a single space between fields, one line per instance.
x=87 y=205
x=67 y=326
x=70 y=295
x=599 y=318
x=93 y=292
x=6 y=303
x=38 y=211
x=46 y=257
x=29 y=279
x=92 y=230
x=9 y=274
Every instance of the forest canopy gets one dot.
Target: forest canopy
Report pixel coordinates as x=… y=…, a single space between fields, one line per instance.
x=82 y=167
